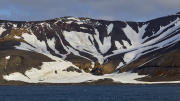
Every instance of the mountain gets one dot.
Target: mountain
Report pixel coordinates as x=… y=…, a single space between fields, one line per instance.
x=76 y=50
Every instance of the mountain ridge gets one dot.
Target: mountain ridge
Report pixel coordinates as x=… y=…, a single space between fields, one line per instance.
x=95 y=46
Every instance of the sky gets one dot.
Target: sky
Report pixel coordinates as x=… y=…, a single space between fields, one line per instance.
x=122 y=10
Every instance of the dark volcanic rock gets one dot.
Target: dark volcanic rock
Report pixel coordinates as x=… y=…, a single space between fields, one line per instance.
x=72 y=69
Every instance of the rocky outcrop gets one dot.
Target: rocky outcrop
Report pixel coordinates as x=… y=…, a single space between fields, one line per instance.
x=84 y=66
x=163 y=68
x=20 y=61
x=98 y=69
x=82 y=63
x=73 y=69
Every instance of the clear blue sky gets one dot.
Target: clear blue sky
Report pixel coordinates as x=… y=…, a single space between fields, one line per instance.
x=124 y=10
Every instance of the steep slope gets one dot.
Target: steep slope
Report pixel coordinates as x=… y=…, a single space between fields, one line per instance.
x=163 y=68
x=94 y=46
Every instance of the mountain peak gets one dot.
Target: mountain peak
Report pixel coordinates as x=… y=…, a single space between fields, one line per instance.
x=178 y=13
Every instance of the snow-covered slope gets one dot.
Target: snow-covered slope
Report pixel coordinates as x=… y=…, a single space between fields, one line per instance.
x=75 y=40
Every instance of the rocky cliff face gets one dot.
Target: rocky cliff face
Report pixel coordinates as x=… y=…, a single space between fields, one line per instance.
x=95 y=46
x=163 y=68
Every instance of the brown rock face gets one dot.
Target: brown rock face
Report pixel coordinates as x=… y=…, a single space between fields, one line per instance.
x=134 y=65
x=14 y=63
x=82 y=63
x=20 y=61
x=98 y=69
x=72 y=69
x=163 y=68
x=84 y=66
x=15 y=33
x=108 y=67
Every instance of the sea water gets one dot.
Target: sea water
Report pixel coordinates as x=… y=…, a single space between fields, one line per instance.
x=91 y=93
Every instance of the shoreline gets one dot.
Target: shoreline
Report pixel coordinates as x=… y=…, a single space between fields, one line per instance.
x=69 y=84
x=95 y=83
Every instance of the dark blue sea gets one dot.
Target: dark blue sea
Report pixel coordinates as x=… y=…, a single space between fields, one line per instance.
x=91 y=93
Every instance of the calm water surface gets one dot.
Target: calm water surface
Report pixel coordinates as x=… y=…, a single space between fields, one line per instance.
x=91 y=93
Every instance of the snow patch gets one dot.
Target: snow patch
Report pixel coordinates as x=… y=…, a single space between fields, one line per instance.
x=110 y=28
x=125 y=43
x=7 y=57
x=72 y=18
x=17 y=37
x=118 y=45
x=51 y=44
x=2 y=30
x=80 y=40
x=38 y=46
x=83 y=27
x=15 y=25
x=69 y=22
x=128 y=57
x=120 y=64
x=105 y=45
